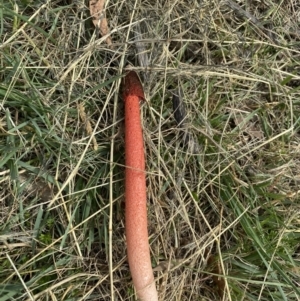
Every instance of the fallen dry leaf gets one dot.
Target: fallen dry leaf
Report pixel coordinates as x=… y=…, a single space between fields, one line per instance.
x=214 y=265
x=97 y=11
x=37 y=187
x=250 y=127
x=87 y=123
x=164 y=266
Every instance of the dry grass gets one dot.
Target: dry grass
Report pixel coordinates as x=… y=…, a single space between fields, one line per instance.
x=223 y=220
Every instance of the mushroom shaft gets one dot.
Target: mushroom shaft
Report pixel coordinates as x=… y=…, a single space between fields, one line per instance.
x=138 y=249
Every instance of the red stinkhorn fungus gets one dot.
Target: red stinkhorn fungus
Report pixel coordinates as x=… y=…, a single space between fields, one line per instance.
x=138 y=250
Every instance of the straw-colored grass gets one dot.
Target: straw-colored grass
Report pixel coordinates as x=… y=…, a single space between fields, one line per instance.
x=223 y=204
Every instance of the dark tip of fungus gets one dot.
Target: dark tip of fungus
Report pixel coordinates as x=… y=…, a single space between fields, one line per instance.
x=131 y=85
